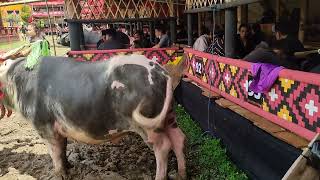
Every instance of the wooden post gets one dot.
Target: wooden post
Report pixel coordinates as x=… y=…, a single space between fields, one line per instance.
x=173 y=30
x=173 y=21
x=242 y=14
x=130 y=29
x=190 y=37
x=230 y=31
x=278 y=10
x=303 y=17
x=151 y=28
x=82 y=42
x=74 y=32
x=199 y=24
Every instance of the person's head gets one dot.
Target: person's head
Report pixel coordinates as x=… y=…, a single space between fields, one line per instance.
x=281 y=30
x=255 y=28
x=103 y=34
x=205 y=30
x=137 y=35
x=95 y=27
x=243 y=31
x=136 y=44
x=110 y=34
x=33 y=30
x=159 y=31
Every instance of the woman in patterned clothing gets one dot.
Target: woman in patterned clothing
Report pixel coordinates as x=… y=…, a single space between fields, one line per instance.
x=217 y=45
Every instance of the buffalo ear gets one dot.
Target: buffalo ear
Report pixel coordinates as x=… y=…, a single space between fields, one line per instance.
x=176 y=71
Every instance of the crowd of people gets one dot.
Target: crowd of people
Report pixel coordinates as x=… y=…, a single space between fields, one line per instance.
x=252 y=45
x=111 y=38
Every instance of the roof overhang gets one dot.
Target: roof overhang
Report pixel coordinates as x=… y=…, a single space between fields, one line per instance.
x=221 y=6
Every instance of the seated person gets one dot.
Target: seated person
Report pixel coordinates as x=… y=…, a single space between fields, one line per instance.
x=181 y=34
x=288 y=43
x=139 y=41
x=257 y=35
x=244 y=44
x=202 y=42
x=164 y=40
x=123 y=38
x=111 y=42
x=103 y=38
x=282 y=50
x=217 y=45
x=263 y=53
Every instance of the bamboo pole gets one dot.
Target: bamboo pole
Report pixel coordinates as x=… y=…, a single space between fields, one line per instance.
x=54 y=45
x=19 y=2
x=303 y=17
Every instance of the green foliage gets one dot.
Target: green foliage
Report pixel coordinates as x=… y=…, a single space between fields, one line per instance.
x=25 y=13
x=206 y=153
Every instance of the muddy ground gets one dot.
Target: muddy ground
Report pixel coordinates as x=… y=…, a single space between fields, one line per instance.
x=24 y=156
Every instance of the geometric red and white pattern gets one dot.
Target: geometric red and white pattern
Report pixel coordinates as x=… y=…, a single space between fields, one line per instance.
x=163 y=56
x=292 y=101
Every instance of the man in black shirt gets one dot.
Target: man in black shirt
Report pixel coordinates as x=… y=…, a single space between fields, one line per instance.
x=281 y=52
x=111 y=41
x=103 y=38
x=287 y=44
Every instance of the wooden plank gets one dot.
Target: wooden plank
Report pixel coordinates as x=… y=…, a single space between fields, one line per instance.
x=257 y=120
x=210 y=94
x=224 y=103
x=300 y=170
x=186 y=80
x=264 y=124
x=293 y=139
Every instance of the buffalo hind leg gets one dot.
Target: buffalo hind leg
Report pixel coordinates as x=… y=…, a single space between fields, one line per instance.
x=177 y=139
x=161 y=146
x=57 y=149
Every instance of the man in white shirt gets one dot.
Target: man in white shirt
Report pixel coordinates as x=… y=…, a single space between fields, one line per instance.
x=203 y=41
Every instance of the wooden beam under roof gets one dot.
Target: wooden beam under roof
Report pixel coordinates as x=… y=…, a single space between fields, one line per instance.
x=19 y=2
x=221 y=6
x=88 y=21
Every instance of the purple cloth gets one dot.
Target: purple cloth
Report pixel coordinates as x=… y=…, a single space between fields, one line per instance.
x=264 y=76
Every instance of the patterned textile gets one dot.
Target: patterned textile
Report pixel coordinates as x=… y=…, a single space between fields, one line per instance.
x=293 y=98
x=216 y=47
x=162 y=56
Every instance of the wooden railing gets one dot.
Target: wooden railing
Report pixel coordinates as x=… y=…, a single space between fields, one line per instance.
x=9 y=34
x=162 y=55
x=293 y=102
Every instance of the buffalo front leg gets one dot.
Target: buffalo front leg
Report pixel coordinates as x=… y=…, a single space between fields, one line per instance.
x=57 y=149
x=177 y=139
x=161 y=146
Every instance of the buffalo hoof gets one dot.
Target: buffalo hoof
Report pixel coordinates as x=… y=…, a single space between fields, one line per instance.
x=175 y=177
x=61 y=175
x=69 y=165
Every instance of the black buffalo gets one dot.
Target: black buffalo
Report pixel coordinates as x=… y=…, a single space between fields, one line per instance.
x=94 y=103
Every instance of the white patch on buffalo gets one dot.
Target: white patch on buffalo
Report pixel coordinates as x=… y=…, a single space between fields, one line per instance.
x=117 y=85
x=134 y=59
x=5 y=66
